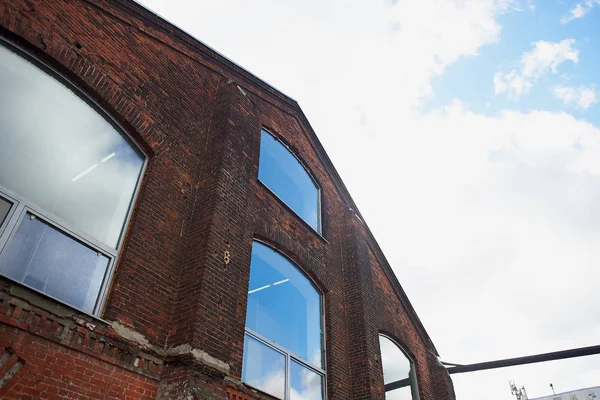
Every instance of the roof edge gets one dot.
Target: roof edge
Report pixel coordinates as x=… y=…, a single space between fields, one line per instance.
x=157 y=21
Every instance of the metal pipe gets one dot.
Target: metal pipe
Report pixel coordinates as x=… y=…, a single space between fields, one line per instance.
x=397 y=384
x=509 y=362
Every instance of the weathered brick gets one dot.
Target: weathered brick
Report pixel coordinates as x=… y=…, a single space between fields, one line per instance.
x=198 y=117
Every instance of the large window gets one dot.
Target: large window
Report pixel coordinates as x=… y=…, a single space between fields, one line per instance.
x=281 y=172
x=283 y=349
x=67 y=181
x=399 y=369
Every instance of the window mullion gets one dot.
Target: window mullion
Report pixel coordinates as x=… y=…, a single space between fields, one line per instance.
x=68 y=230
x=287 y=376
x=57 y=222
x=24 y=212
x=14 y=216
x=283 y=350
x=414 y=388
x=104 y=287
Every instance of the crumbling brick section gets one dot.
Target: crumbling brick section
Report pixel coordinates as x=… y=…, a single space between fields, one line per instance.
x=11 y=369
x=45 y=370
x=60 y=354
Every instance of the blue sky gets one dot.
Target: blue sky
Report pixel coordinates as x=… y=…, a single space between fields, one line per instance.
x=469 y=78
x=467 y=132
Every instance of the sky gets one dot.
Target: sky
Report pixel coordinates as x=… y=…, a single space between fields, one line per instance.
x=468 y=133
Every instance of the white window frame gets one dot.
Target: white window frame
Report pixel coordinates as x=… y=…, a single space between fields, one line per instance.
x=21 y=206
x=289 y=356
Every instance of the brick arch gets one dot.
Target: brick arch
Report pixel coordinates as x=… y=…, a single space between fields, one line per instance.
x=67 y=60
x=307 y=261
x=400 y=343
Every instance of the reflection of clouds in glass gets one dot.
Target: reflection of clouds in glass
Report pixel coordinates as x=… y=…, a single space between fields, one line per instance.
x=285 y=308
x=395 y=364
x=61 y=154
x=263 y=368
x=273 y=383
x=283 y=305
x=305 y=384
x=281 y=172
x=315 y=358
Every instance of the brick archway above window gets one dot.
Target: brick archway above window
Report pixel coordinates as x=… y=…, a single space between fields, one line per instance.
x=68 y=59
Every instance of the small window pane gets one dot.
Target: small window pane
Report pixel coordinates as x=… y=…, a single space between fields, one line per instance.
x=263 y=368
x=281 y=172
x=44 y=258
x=283 y=305
x=58 y=152
x=305 y=384
x=4 y=209
x=395 y=364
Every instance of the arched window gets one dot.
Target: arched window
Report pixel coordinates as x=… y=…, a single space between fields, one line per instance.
x=285 y=176
x=397 y=367
x=283 y=349
x=67 y=181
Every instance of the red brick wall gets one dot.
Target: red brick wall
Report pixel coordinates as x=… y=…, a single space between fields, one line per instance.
x=45 y=370
x=48 y=351
x=198 y=117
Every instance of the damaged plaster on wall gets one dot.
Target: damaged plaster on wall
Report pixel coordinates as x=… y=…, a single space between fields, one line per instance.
x=185 y=349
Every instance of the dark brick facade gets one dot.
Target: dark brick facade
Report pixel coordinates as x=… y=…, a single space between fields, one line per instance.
x=173 y=325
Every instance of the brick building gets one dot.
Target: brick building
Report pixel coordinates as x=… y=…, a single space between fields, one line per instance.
x=171 y=227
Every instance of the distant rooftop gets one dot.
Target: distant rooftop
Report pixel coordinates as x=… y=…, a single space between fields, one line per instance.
x=592 y=393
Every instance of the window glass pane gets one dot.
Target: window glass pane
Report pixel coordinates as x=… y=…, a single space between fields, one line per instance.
x=58 y=152
x=263 y=368
x=44 y=258
x=4 y=209
x=305 y=384
x=395 y=364
x=399 y=394
x=283 y=305
x=281 y=172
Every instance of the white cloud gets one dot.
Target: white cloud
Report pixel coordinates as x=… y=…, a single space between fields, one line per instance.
x=579 y=11
x=547 y=56
x=408 y=41
x=544 y=58
x=490 y=223
x=530 y=5
x=512 y=82
x=581 y=97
